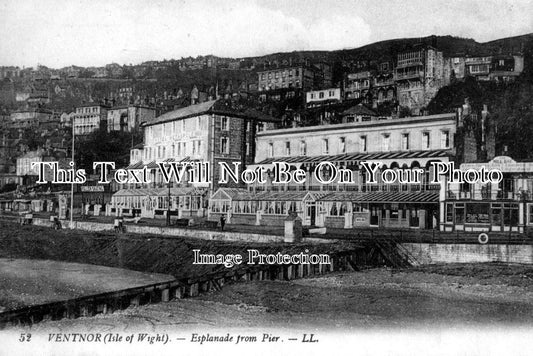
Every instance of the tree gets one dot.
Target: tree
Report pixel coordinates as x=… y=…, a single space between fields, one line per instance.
x=105 y=146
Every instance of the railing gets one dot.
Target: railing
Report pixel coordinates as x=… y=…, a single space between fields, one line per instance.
x=409 y=75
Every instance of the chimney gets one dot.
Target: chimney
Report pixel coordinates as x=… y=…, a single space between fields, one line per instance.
x=466 y=107
x=484 y=115
x=459 y=117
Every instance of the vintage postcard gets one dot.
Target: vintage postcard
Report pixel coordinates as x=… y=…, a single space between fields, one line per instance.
x=266 y=177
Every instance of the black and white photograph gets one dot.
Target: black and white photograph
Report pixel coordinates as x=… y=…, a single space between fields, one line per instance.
x=266 y=177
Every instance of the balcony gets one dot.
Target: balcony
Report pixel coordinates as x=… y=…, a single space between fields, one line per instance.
x=383 y=83
x=409 y=75
x=404 y=63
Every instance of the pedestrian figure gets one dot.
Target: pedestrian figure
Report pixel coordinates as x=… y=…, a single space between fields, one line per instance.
x=222 y=222
x=57 y=223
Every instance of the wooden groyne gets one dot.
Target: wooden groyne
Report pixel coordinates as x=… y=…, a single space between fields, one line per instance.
x=109 y=302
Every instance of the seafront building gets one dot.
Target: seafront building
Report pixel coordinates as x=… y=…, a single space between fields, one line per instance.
x=503 y=206
x=406 y=143
x=211 y=132
x=398 y=144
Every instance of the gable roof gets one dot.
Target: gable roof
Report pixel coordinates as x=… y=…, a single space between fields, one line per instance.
x=210 y=107
x=359 y=110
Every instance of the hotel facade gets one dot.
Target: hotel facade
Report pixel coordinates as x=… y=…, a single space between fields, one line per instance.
x=398 y=144
x=210 y=132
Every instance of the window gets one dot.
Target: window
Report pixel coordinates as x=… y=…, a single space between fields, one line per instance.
x=224 y=145
x=224 y=123
x=477 y=213
x=530 y=214
x=270 y=149
x=363 y=144
x=449 y=212
x=342 y=144
x=321 y=95
x=198 y=146
x=325 y=146
x=425 y=140
x=312 y=95
x=287 y=148
x=359 y=207
x=510 y=214
x=496 y=214
x=460 y=213
x=260 y=127
x=337 y=209
x=393 y=213
x=385 y=146
x=303 y=148
x=331 y=93
x=405 y=141
x=445 y=139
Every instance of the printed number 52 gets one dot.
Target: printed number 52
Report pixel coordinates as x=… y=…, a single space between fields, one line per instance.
x=24 y=337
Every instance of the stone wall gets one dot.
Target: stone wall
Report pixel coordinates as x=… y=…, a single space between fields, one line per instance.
x=168 y=231
x=467 y=253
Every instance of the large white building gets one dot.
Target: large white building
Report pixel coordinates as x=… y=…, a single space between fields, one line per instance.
x=209 y=132
x=406 y=143
x=89 y=117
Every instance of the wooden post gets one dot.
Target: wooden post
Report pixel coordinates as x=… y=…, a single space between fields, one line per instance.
x=165 y=295
x=300 y=271
x=135 y=301
x=193 y=290
x=289 y=271
x=179 y=293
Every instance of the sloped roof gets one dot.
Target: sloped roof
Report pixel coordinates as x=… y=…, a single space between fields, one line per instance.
x=384 y=197
x=182 y=113
x=210 y=107
x=350 y=157
x=359 y=110
x=181 y=191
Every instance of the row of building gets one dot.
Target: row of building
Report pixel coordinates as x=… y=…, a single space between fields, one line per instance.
x=86 y=118
x=411 y=79
x=210 y=132
x=215 y=131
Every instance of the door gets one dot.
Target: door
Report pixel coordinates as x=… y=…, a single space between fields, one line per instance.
x=414 y=220
x=310 y=213
x=374 y=215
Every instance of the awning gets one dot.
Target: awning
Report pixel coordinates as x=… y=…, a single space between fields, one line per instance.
x=137 y=165
x=384 y=197
x=158 y=192
x=357 y=157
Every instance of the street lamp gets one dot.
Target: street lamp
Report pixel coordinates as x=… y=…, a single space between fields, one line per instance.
x=72 y=183
x=168 y=205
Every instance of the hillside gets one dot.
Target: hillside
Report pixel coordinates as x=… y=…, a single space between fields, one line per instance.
x=387 y=49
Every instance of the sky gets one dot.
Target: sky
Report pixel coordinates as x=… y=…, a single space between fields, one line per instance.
x=58 y=33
